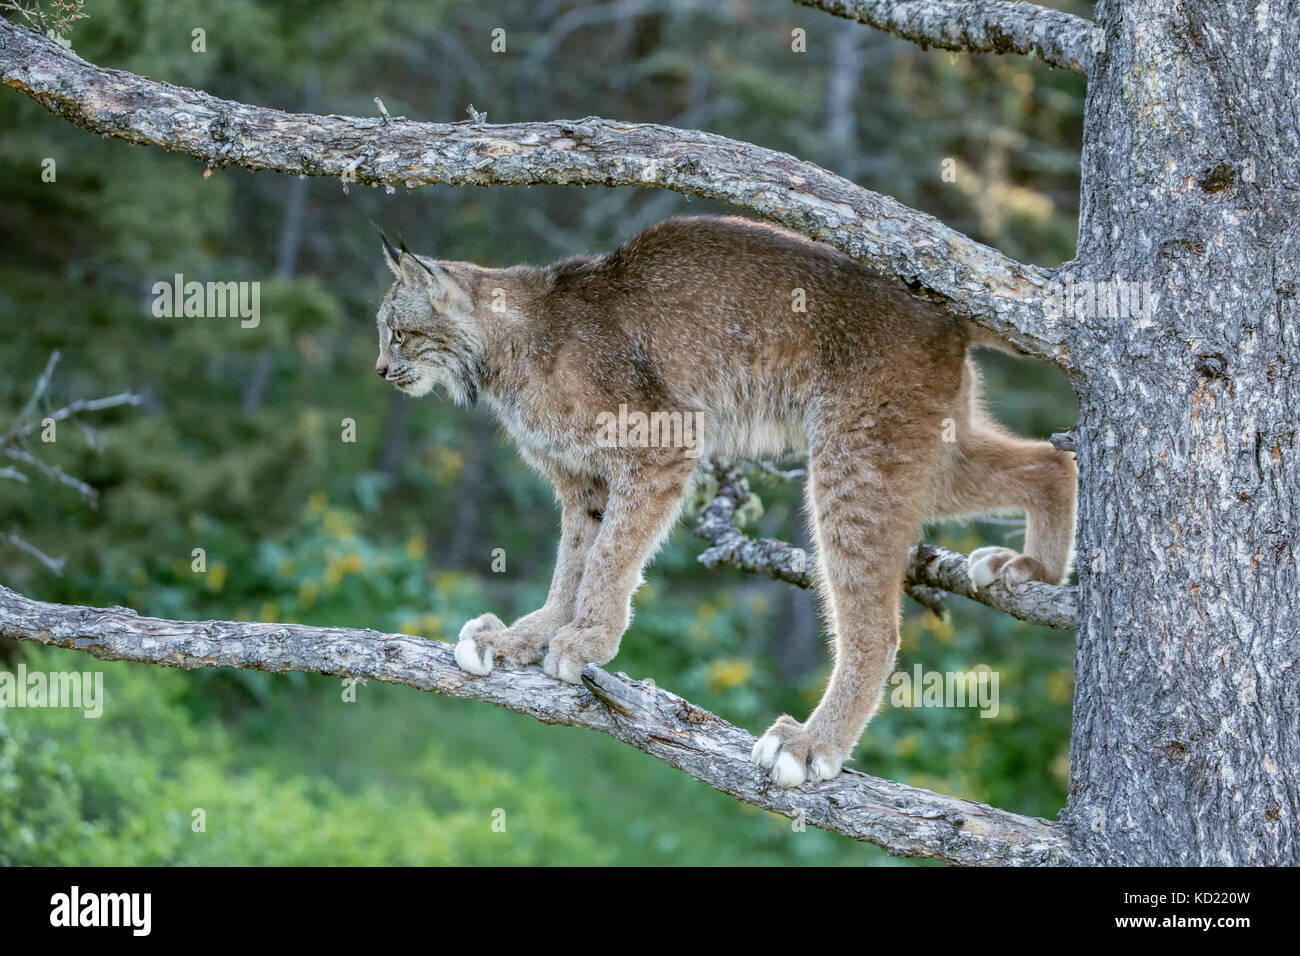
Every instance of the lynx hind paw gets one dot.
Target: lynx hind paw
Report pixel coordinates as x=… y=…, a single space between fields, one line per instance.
x=474 y=653
x=986 y=565
x=795 y=755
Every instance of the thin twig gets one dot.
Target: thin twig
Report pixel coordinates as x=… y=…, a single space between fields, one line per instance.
x=55 y=565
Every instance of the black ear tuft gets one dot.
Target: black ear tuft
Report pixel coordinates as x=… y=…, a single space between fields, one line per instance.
x=401 y=244
x=389 y=249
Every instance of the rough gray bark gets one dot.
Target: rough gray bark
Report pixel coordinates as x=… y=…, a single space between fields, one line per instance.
x=1186 y=737
x=905 y=820
x=976 y=26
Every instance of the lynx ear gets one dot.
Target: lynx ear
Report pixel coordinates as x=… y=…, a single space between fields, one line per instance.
x=446 y=287
x=414 y=271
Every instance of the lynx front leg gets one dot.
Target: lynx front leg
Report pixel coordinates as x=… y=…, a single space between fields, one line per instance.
x=864 y=500
x=486 y=640
x=640 y=513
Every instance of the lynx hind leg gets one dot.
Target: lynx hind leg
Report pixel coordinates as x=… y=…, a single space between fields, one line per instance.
x=864 y=499
x=486 y=641
x=994 y=471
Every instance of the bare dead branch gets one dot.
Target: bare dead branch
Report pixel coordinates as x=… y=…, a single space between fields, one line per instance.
x=904 y=820
x=1067 y=440
x=1036 y=602
x=929 y=598
x=930 y=568
x=732 y=547
x=54 y=473
x=78 y=407
x=27 y=421
x=55 y=565
x=977 y=26
x=38 y=392
x=935 y=262
x=785 y=474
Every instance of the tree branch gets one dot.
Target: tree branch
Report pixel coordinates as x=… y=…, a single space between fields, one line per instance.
x=904 y=820
x=53 y=565
x=935 y=262
x=976 y=26
x=29 y=420
x=80 y=406
x=55 y=473
x=929 y=569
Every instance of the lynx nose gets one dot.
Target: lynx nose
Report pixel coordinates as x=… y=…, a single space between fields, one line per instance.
x=381 y=369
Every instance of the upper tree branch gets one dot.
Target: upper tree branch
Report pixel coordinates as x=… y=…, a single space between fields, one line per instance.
x=976 y=26
x=971 y=279
x=904 y=820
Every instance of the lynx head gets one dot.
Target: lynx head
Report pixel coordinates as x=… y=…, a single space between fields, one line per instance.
x=427 y=332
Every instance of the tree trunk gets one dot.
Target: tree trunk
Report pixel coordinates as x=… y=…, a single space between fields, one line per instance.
x=1187 y=701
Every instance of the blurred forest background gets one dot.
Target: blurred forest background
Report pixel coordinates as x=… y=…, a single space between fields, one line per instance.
x=236 y=447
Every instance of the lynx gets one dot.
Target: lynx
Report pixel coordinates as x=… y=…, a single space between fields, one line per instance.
x=772 y=342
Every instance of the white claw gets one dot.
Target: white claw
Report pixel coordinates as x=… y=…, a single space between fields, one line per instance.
x=765 y=750
x=824 y=768
x=787 y=772
x=468 y=658
x=980 y=565
x=562 y=667
x=980 y=575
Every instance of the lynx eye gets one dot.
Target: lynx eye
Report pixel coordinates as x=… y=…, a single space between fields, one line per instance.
x=398 y=335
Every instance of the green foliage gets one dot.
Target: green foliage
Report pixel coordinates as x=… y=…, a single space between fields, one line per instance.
x=124 y=790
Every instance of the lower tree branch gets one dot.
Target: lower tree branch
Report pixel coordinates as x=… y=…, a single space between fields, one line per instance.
x=904 y=820
x=932 y=260
x=977 y=26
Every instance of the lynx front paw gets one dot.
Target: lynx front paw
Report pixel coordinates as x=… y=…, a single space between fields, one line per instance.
x=574 y=647
x=794 y=754
x=986 y=565
x=485 y=641
x=474 y=652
